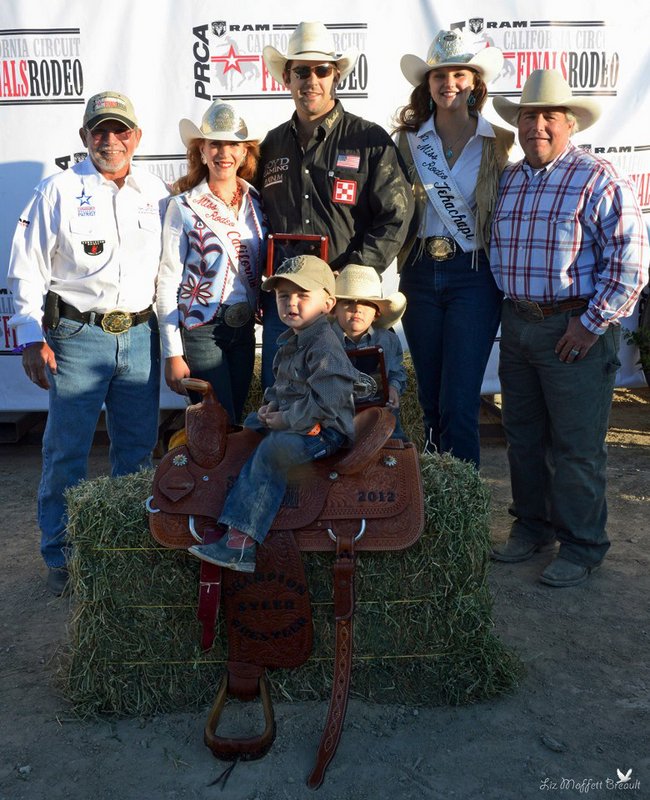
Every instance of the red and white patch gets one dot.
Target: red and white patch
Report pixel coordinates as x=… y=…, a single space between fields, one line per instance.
x=345 y=191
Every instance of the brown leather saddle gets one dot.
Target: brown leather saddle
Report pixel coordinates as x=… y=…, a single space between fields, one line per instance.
x=366 y=498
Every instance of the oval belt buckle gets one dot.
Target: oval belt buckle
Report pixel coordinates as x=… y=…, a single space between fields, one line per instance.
x=443 y=248
x=117 y=321
x=237 y=315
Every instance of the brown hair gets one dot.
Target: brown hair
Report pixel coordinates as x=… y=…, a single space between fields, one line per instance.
x=198 y=171
x=417 y=112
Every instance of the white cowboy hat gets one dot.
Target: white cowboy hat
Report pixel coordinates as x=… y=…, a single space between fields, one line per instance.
x=311 y=41
x=453 y=49
x=221 y=122
x=363 y=283
x=546 y=88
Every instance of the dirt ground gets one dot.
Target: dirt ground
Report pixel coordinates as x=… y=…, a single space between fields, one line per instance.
x=580 y=714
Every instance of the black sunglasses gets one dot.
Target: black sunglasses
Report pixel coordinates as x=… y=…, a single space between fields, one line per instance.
x=322 y=71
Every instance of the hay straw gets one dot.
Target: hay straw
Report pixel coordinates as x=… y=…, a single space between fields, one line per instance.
x=423 y=628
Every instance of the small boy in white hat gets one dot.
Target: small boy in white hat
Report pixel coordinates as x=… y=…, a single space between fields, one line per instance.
x=308 y=413
x=364 y=318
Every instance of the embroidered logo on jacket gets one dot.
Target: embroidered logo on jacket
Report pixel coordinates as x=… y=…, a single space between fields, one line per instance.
x=345 y=191
x=94 y=248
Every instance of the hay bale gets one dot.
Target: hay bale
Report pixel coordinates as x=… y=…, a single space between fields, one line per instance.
x=423 y=631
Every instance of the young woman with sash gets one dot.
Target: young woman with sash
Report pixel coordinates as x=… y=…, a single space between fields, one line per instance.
x=455 y=157
x=213 y=252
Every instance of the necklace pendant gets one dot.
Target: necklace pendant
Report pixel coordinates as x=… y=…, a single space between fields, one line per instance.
x=449 y=153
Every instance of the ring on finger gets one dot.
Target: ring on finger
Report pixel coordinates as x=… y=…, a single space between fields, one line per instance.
x=574 y=352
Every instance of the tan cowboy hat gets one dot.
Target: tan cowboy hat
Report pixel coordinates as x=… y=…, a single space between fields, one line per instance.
x=546 y=88
x=363 y=283
x=221 y=122
x=311 y=41
x=453 y=49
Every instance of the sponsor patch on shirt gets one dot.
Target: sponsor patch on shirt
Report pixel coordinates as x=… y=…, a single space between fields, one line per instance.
x=94 y=247
x=348 y=161
x=24 y=222
x=345 y=191
x=84 y=199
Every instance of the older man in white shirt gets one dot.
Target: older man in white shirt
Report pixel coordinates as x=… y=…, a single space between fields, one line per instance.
x=82 y=272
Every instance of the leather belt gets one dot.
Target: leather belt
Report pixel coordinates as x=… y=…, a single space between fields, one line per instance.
x=115 y=321
x=540 y=311
x=440 y=248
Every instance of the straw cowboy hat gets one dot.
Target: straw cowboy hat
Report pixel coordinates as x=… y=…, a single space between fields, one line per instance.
x=221 y=122
x=363 y=283
x=311 y=41
x=546 y=88
x=453 y=49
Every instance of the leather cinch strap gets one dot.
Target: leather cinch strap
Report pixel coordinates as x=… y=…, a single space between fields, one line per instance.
x=209 y=592
x=344 y=611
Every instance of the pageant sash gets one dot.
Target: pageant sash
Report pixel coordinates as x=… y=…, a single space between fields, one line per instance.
x=242 y=260
x=441 y=188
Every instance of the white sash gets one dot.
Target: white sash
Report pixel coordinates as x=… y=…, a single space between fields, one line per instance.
x=441 y=188
x=210 y=212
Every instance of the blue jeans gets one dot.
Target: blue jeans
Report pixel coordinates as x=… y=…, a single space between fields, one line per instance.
x=224 y=357
x=555 y=417
x=93 y=368
x=451 y=319
x=254 y=500
x=272 y=327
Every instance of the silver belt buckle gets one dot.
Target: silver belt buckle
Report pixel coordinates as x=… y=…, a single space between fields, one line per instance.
x=117 y=321
x=530 y=310
x=440 y=248
x=237 y=315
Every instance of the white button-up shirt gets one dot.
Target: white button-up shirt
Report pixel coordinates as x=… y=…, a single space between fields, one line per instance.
x=96 y=246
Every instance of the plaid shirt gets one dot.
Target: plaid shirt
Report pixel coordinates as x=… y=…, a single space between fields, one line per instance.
x=574 y=229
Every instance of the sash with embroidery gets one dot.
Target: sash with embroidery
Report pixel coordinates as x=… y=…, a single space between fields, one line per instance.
x=210 y=212
x=442 y=190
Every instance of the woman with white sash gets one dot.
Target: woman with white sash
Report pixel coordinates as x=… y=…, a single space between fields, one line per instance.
x=212 y=259
x=455 y=157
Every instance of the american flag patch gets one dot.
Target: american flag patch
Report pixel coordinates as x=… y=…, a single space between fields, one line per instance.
x=348 y=161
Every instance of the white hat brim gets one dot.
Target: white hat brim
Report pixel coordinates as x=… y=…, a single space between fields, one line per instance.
x=391 y=308
x=487 y=62
x=189 y=131
x=586 y=111
x=275 y=61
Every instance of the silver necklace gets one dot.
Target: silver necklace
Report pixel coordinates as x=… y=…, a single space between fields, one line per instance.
x=449 y=151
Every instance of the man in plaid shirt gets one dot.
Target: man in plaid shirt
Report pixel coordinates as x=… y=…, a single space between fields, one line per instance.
x=570 y=251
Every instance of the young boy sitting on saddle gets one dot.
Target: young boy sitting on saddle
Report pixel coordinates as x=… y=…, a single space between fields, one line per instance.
x=364 y=318
x=307 y=414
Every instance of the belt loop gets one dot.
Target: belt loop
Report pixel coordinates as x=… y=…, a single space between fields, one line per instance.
x=91 y=317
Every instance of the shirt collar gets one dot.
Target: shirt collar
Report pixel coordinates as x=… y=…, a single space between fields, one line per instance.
x=483 y=127
x=328 y=124
x=365 y=337
x=530 y=172
x=308 y=334
x=88 y=168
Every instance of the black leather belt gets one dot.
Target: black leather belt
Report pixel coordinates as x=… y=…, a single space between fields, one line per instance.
x=539 y=311
x=115 y=321
x=440 y=248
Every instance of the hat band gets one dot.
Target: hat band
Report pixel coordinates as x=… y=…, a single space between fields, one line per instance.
x=462 y=57
x=327 y=55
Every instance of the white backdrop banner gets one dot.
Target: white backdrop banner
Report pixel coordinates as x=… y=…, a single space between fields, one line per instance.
x=172 y=59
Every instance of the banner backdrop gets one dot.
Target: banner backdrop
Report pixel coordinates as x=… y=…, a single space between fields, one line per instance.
x=172 y=59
